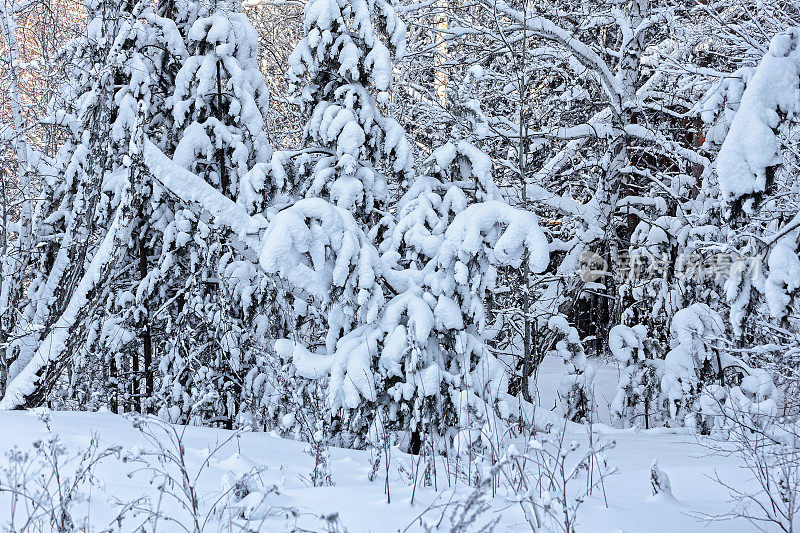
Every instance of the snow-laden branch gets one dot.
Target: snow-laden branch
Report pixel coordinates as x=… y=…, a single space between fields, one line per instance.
x=752 y=147
x=192 y=189
x=579 y=131
x=646 y=134
x=654 y=20
x=467 y=236
x=546 y=29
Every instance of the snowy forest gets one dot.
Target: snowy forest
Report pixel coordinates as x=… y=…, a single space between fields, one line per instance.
x=399 y=265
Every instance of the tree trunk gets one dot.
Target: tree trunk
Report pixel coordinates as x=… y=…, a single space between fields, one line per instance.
x=223 y=171
x=522 y=163
x=146 y=336
x=113 y=386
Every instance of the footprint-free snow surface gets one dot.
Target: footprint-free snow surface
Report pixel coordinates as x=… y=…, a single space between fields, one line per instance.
x=283 y=499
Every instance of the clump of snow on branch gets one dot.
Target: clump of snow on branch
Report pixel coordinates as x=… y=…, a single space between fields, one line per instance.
x=751 y=148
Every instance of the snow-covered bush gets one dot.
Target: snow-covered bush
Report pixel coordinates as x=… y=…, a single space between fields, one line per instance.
x=575 y=389
x=639 y=388
x=693 y=361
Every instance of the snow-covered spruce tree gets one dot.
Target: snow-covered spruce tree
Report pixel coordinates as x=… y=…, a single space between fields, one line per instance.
x=639 y=387
x=56 y=217
x=136 y=315
x=409 y=255
x=125 y=329
x=456 y=174
x=201 y=288
x=422 y=362
x=452 y=95
x=484 y=238
x=430 y=214
x=438 y=219
x=184 y=13
x=333 y=273
x=84 y=203
x=504 y=130
x=422 y=359
x=219 y=105
x=341 y=72
x=225 y=304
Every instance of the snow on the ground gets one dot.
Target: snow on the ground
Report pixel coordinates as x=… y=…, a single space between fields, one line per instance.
x=361 y=505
